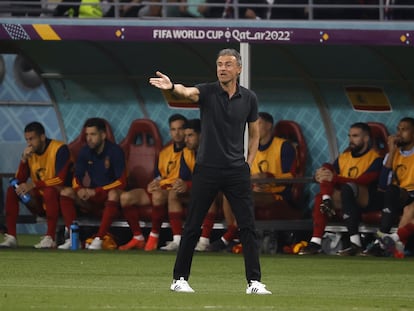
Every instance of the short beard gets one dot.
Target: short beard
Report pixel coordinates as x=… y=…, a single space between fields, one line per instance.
x=97 y=147
x=356 y=149
x=402 y=143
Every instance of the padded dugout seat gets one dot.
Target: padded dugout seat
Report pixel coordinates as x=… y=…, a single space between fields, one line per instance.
x=80 y=141
x=379 y=136
x=292 y=131
x=281 y=210
x=142 y=146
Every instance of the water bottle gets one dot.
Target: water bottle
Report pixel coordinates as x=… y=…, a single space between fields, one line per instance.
x=74 y=236
x=25 y=198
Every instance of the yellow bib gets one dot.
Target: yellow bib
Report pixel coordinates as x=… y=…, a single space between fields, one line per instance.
x=169 y=165
x=269 y=161
x=403 y=171
x=351 y=167
x=42 y=167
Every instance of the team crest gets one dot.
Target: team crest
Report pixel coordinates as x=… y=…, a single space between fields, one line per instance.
x=400 y=172
x=40 y=173
x=263 y=166
x=353 y=172
x=107 y=162
x=171 y=165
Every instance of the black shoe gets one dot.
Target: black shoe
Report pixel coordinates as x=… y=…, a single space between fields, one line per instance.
x=217 y=246
x=352 y=250
x=374 y=249
x=327 y=208
x=311 y=249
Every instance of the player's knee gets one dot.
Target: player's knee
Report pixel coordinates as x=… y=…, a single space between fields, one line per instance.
x=408 y=210
x=113 y=195
x=158 y=198
x=124 y=199
x=67 y=192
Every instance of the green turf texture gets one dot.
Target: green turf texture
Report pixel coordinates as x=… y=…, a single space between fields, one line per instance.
x=33 y=279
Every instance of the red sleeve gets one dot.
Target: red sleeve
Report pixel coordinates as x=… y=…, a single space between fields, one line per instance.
x=58 y=180
x=371 y=175
x=364 y=179
x=119 y=183
x=23 y=172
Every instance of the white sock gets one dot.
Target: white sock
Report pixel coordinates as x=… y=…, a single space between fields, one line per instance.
x=316 y=240
x=139 y=237
x=326 y=197
x=395 y=236
x=204 y=240
x=356 y=239
x=225 y=241
x=177 y=238
x=155 y=235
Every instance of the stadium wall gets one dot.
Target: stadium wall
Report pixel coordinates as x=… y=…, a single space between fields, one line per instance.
x=302 y=82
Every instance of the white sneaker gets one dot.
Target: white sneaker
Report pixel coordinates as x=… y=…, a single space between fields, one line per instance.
x=9 y=241
x=202 y=245
x=96 y=244
x=171 y=246
x=46 y=242
x=181 y=286
x=255 y=287
x=66 y=245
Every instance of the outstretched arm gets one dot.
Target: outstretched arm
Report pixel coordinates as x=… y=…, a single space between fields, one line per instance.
x=163 y=82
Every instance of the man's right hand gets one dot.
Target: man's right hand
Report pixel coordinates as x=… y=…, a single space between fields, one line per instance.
x=163 y=82
x=323 y=174
x=27 y=153
x=84 y=194
x=179 y=186
x=392 y=143
x=24 y=188
x=154 y=186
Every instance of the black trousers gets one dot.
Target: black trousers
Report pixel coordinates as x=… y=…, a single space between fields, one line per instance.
x=395 y=199
x=235 y=185
x=352 y=210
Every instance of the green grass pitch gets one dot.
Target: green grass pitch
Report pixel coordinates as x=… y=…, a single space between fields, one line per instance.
x=135 y=280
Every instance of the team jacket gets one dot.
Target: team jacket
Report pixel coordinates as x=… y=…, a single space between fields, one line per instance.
x=187 y=164
x=106 y=170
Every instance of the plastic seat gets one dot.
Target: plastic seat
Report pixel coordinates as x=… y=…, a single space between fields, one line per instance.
x=292 y=131
x=380 y=136
x=80 y=141
x=279 y=210
x=142 y=146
